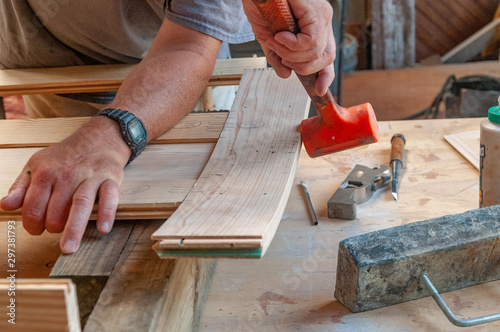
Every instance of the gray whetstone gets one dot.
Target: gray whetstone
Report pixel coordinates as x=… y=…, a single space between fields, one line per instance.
x=382 y=268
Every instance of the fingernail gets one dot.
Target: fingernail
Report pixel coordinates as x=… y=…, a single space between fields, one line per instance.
x=287 y=64
x=69 y=246
x=105 y=227
x=5 y=197
x=271 y=47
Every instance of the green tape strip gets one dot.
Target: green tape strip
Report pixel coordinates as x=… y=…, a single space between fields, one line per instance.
x=231 y=253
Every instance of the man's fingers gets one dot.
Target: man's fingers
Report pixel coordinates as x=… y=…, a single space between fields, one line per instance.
x=108 y=203
x=304 y=62
x=81 y=208
x=300 y=42
x=35 y=204
x=58 y=208
x=325 y=78
x=15 y=197
x=275 y=61
x=291 y=55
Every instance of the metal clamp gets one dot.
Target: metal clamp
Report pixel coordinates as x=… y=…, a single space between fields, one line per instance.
x=357 y=188
x=447 y=312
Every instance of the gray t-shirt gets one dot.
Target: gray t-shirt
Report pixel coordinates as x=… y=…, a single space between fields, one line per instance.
x=54 y=33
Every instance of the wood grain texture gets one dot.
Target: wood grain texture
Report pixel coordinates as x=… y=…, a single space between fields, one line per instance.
x=97 y=254
x=393 y=33
x=435 y=35
x=188 y=288
x=194 y=128
x=291 y=288
x=144 y=290
x=153 y=186
x=135 y=287
x=467 y=144
x=41 y=305
x=98 y=78
x=473 y=45
x=243 y=189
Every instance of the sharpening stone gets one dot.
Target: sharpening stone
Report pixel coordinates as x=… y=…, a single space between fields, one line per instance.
x=382 y=268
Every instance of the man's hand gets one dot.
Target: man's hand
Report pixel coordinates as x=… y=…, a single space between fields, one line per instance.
x=310 y=51
x=60 y=184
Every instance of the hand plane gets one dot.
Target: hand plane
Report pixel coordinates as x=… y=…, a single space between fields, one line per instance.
x=357 y=188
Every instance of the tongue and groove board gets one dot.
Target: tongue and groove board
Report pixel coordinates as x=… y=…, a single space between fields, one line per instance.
x=235 y=207
x=194 y=128
x=153 y=186
x=42 y=305
x=99 y=78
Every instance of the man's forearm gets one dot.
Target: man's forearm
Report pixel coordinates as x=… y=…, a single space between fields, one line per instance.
x=165 y=86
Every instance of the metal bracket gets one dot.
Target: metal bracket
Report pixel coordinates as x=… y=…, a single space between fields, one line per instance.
x=357 y=188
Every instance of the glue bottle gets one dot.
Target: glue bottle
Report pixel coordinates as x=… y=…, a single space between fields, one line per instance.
x=489 y=161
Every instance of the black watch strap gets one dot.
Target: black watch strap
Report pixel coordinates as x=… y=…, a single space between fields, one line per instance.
x=132 y=130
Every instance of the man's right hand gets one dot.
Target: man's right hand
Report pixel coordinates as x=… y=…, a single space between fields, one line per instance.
x=312 y=50
x=60 y=184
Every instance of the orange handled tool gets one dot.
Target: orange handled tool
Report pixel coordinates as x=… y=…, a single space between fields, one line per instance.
x=335 y=128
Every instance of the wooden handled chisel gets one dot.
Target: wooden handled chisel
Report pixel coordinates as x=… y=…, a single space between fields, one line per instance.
x=398 y=142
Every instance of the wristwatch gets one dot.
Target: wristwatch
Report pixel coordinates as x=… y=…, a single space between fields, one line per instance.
x=131 y=128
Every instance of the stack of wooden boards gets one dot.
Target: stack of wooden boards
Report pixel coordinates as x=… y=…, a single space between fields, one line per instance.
x=98 y=78
x=39 y=305
x=234 y=208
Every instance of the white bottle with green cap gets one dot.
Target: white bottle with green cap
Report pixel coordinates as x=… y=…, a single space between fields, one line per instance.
x=489 y=162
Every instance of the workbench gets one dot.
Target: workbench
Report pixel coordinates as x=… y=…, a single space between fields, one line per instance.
x=291 y=288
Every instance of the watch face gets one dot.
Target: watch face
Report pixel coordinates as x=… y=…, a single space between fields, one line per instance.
x=136 y=131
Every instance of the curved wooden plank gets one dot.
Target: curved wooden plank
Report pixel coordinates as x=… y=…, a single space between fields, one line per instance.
x=242 y=192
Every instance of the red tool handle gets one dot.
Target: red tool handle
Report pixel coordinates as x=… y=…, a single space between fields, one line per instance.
x=335 y=128
x=279 y=17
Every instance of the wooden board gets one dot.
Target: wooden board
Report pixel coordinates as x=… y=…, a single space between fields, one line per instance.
x=145 y=293
x=393 y=33
x=241 y=194
x=40 y=305
x=189 y=285
x=194 y=128
x=473 y=45
x=436 y=36
x=467 y=144
x=93 y=263
x=153 y=186
x=98 y=78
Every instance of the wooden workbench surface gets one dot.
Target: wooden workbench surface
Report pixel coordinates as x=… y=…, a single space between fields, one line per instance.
x=291 y=288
